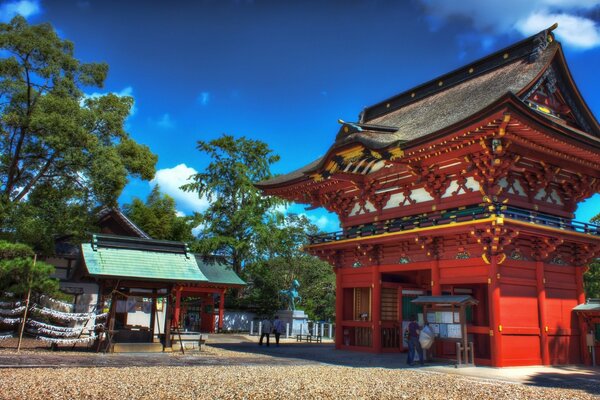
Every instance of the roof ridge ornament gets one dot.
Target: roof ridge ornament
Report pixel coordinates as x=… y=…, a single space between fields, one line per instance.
x=542 y=40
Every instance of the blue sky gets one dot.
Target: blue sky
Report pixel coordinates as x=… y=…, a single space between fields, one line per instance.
x=285 y=71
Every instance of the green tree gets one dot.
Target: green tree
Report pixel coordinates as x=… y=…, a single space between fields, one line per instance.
x=237 y=208
x=158 y=217
x=17 y=271
x=55 y=142
x=280 y=241
x=592 y=276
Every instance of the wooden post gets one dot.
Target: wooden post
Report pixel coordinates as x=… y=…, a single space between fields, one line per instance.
x=376 y=309
x=339 y=309
x=585 y=354
x=494 y=313
x=436 y=287
x=153 y=316
x=168 y=321
x=26 y=305
x=177 y=314
x=541 y=291
x=221 y=309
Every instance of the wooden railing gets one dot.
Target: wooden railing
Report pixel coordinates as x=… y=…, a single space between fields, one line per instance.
x=472 y=213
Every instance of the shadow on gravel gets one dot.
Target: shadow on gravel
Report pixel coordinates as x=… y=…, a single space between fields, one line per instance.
x=320 y=353
x=587 y=380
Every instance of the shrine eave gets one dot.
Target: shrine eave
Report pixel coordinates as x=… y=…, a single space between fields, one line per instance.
x=522 y=226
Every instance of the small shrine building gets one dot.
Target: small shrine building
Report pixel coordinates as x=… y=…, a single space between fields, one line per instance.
x=464 y=185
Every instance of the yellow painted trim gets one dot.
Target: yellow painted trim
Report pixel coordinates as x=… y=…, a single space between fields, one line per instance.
x=400 y=233
x=351 y=153
x=547 y=228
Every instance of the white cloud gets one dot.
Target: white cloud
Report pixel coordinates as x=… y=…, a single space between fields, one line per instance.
x=573 y=30
x=125 y=92
x=171 y=179
x=495 y=17
x=25 y=8
x=204 y=98
x=165 y=121
x=324 y=223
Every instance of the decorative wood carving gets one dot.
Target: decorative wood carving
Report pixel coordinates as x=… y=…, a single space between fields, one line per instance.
x=433 y=246
x=434 y=181
x=494 y=238
x=543 y=247
x=491 y=165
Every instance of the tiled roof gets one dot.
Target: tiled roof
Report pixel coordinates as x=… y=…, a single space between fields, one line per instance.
x=143 y=259
x=442 y=102
x=218 y=272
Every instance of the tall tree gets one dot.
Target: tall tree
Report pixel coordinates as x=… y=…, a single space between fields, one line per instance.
x=280 y=242
x=237 y=209
x=158 y=217
x=592 y=276
x=55 y=141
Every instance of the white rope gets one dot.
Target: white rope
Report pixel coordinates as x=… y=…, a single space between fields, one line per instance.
x=58 y=334
x=8 y=336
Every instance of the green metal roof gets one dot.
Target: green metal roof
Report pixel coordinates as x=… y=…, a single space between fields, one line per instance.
x=452 y=300
x=103 y=259
x=218 y=272
x=589 y=305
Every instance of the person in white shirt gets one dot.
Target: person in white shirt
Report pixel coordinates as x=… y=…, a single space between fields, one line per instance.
x=277 y=329
x=266 y=329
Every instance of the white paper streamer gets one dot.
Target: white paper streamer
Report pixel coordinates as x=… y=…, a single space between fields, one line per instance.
x=67 y=341
x=67 y=316
x=37 y=324
x=58 y=303
x=14 y=311
x=4 y=337
x=4 y=304
x=58 y=334
x=10 y=321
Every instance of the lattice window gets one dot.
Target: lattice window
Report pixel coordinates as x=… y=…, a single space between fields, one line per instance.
x=389 y=304
x=362 y=304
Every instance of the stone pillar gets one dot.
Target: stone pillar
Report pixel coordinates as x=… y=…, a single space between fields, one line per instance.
x=494 y=313
x=376 y=308
x=541 y=292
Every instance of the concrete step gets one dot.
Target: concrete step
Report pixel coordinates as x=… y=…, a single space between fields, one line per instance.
x=138 y=348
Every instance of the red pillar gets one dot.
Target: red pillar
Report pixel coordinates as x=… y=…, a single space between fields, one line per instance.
x=339 y=309
x=541 y=292
x=436 y=287
x=494 y=313
x=221 y=308
x=376 y=309
x=585 y=354
x=177 y=313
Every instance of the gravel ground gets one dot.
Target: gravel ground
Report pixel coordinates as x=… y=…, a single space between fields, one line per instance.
x=302 y=382
x=260 y=381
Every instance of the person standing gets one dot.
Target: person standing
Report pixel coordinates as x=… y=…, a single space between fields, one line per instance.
x=277 y=329
x=413 y=342
x=266 y=329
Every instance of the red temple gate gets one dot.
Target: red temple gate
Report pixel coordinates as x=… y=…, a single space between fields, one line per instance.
x=466 y=184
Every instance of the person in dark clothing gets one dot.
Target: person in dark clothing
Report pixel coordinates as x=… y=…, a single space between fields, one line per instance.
x=413 y=342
